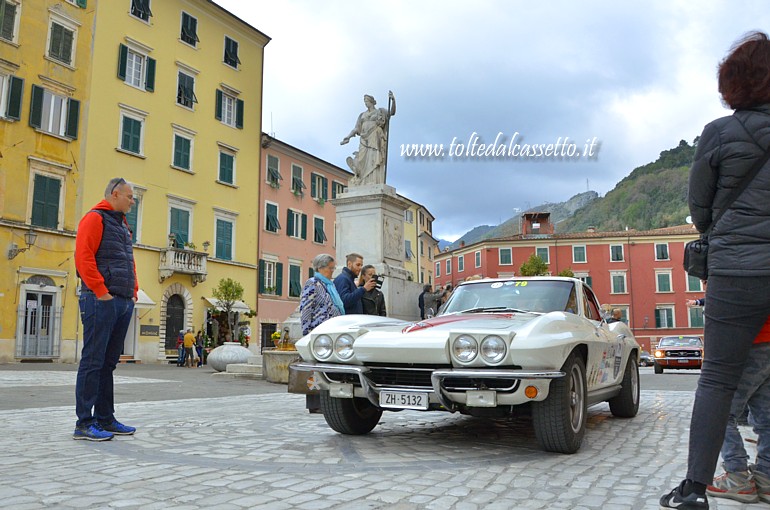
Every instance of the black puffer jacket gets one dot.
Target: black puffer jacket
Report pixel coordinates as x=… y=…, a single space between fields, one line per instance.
x=739 y=245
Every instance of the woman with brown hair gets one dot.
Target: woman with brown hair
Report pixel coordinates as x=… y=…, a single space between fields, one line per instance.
x=739 y=253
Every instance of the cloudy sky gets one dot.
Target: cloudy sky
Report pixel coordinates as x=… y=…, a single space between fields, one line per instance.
x=635 y=76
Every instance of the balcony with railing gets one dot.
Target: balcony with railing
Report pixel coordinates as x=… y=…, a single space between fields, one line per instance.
x=182 y=261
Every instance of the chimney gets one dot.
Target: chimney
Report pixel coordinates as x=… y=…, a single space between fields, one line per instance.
x=591 y=229
x=462 y=244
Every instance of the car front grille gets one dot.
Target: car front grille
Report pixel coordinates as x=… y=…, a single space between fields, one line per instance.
x=683 y=354
x=401 y=377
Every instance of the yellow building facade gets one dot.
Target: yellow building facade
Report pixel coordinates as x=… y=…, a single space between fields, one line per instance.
x=45 y=72
x=419 y=243
x=171 y=102
x=176 y=109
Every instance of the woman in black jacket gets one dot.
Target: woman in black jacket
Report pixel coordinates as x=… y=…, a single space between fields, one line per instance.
x=738 y=258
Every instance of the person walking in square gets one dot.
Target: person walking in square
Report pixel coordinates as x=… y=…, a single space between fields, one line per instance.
x=104 y=260
x=189 y=349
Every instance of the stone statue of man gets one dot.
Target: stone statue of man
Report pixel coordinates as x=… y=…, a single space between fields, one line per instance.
x=369 y=163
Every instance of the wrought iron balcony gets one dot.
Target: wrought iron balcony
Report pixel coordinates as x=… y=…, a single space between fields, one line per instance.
x=177 y=260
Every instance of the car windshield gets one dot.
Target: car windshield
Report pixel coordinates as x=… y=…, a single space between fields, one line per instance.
x=514 y=295
x=681 y=341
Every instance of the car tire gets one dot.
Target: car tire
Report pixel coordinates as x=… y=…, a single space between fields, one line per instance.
x=560 y=419
x=352 y=416
x=626 y=403
x=658 y=369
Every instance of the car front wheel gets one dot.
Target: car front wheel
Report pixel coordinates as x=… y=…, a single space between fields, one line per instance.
x=353 y=416
x=626 y=403
x=560 y=419
x=658 y=369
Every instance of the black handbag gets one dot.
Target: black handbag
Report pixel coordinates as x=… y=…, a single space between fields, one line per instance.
x=696 y=252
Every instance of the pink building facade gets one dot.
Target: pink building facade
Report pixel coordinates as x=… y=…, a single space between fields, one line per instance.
x=297 y=222
x=639 y=272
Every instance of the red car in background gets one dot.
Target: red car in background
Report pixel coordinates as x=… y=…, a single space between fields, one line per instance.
x=678 y=352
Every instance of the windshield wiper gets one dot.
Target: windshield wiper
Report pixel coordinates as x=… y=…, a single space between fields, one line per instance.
x=494 y=309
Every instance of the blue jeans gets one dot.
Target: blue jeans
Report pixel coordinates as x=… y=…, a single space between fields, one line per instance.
x=104 y=329
x=736 y=309
x=754 y=391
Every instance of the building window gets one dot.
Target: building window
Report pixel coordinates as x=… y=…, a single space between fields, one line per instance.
x=422 y=248
x=661 y=251
x=189 y=29
x=132 y=217
x=46 y=201
x=270 y=277
x=409 y=216
x=438 y=269
x=229 y=109
x=506 y=258
x=141 y=9
x=271 y=217
x=296 y=224
x=449 y=266
x=408 y=249
x=11 y=94
x=477 y=257
x=185 y=90
x=179 y=225
x=319 y=187
x=131 y=134
x=231 y=53
x=664 y=317
x=9 y=21
x=224 y=244
x=460 y=263
x=226 y=167
x=663 y=281
x=696 y=317
x=182 y=152
x=136 y=69
x=583 y=277
x=297 y=186
x=616 y=253
x=578 y=254
x=694 y=284
x=337 y=189
x=273 y=174
x=61 y=42
x=53 y=114
x=618 y=283
x=295 y=285
x=319 y=236
x=543 y=254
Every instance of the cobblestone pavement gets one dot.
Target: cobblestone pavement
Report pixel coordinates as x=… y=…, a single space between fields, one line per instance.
x=264 y=451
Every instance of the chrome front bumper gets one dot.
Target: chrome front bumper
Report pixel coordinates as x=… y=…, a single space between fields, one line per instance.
x=371 y=390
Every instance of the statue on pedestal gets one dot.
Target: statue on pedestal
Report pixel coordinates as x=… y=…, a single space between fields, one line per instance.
x=369 y=163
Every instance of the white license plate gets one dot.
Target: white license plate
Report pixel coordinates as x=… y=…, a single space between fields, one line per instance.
x=684 y=361
x=404 y=400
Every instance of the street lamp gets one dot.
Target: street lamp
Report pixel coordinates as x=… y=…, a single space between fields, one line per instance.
x=29 y=237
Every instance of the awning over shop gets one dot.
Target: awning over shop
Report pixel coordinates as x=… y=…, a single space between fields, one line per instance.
x=238 y=306
x=143 y=300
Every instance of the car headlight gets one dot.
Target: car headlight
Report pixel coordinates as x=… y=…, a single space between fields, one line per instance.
x=344 y=346
x=493 y=349
x=322 y=347
x=465 y=348
x=659 y=354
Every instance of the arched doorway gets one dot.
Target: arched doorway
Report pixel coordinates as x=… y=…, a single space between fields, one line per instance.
x=174 y=320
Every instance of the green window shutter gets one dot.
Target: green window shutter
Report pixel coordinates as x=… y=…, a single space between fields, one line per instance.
x=132 y=135
x=36 y=107
x=15 y=95
x=73 y=117
x=278 y=278
x=226 y=168
x=54 y=50
x=334 y=190
x=218 y=110
x=295 y=286
x=149 y=78
x=313 y=187
x=310 y=272
x=224 y=240
x=45 y=202
x=7 y=21
x=589 y=281
x=132 y=217
x=289 y=222
x=304 y=226
x=325 y=188
x=181 y=152
x=67 y=38
x=180 y=223
x=82 y=3
x=122 y=61
x=657 y=318
x=239 y=113
x=261 y=276
x=318 y=233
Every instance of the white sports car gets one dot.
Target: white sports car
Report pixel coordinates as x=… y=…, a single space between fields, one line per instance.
x=498 y=347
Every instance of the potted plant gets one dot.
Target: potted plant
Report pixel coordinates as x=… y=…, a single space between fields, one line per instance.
x=276 y=338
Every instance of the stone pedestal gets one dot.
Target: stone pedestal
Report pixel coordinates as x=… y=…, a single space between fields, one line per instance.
x=275 y=365
x=370 y=221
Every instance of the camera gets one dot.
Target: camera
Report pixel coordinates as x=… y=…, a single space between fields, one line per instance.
x=379 y=279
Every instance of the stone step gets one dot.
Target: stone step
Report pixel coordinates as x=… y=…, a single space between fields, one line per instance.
x=233 y=375
x=244 y=368
x=255 y=360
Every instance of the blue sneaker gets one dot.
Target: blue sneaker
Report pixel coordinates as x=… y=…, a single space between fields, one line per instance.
x=118 y=428
x=93 y=432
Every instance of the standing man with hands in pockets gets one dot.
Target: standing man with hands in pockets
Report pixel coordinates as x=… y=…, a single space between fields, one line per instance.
x=104 y=260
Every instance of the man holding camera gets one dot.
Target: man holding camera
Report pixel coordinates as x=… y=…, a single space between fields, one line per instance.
x=373 y=300
x=350 y=293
